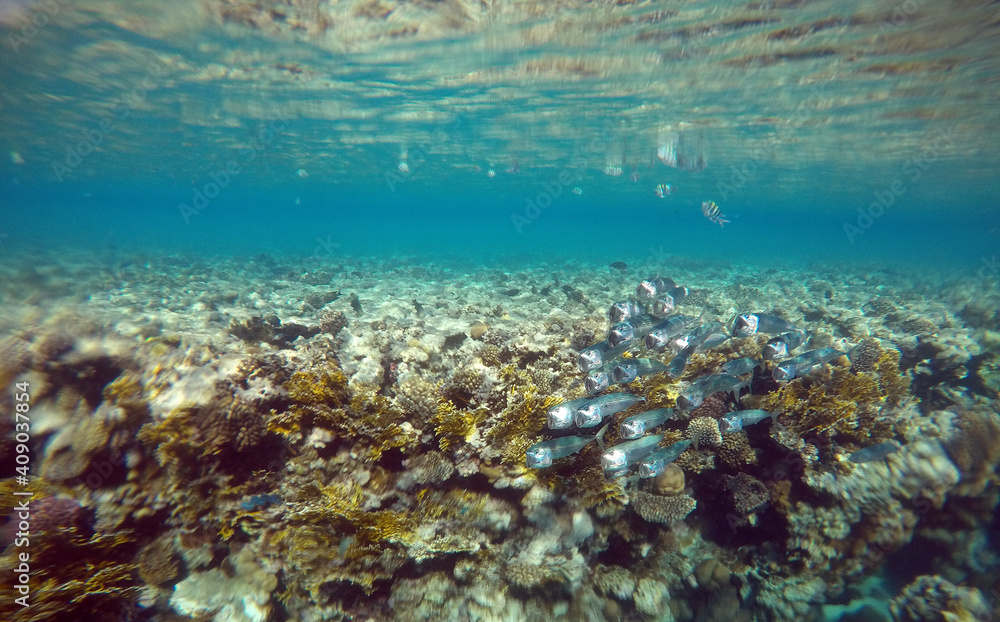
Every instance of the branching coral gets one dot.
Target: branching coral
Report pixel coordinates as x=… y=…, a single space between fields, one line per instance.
x=321 y=398
x=99 y=582
x=524 y=417
x=607 y=497
x=455 y=425
x=747 y=492
x=736 y=451
x=847 y=404
x=931 y=597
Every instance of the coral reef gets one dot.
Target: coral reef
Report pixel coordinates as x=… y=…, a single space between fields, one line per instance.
x=704 y=430
x=670 y=482
x=662 y=509
x=375 y=469
x=931 y=597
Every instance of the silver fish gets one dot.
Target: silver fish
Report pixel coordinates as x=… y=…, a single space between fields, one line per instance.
x=738 y=419
x=657 y=461
x=624 y=333
x=661 y=334
x=748 y=324
x=598 y=354
x=625 y=455
x=667 y=303
x=629 y=369
x=874 y=452
x=738 y=367
x=541 y=455
x=597 y=380
x=625 y=310
x=801 y=364
x=600 y=408
x=713 y=341
x=695 y=393
x=560 y=416
x=694 y=340
x=677 y=364
x=637 y=425
x=653 y=287
x=779 y=347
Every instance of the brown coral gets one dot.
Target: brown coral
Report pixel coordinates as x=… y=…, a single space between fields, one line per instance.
x=975 y=448
x=747 y=492
x=661 y=509
x=332 y=322
x=865 y=355
x=931 y=597
x=156 y=562
x=713 y=406
x=704 y=430
x=696 y=461
x=736 y=451
x=490 y=355
x=670 y=482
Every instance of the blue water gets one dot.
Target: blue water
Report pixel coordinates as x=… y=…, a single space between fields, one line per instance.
x=839 y=138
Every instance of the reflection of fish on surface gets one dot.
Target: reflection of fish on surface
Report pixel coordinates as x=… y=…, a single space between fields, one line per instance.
x=681 y=153
x=613 y=170
x=662 y=190
x=712 y=212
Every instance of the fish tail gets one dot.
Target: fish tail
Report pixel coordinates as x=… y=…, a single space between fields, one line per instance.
x=599 y=437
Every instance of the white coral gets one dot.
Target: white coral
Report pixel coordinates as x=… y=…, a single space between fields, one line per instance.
x=243 y=597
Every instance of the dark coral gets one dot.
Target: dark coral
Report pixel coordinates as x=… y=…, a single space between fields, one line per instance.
x=269 y=329
x=865 y=355
x=332 y=322
x=878 y=306
x=747 y=493
x=713 y=406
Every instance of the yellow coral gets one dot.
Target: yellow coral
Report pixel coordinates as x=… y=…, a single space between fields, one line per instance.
x=597 y=491
x=453 y=425
x=96 y=584
x=825 y=407
x=524 y=417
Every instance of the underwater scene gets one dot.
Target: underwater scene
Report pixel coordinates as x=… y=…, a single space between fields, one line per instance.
x=496 y=310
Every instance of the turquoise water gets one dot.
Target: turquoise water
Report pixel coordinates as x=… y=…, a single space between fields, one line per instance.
x=434 y=194
x=113 y=117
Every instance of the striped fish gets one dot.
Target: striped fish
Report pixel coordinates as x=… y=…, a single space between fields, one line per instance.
x=712 y=212
x=662 y=190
